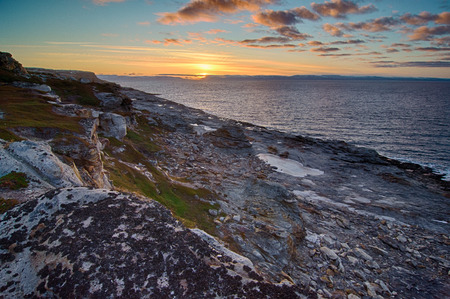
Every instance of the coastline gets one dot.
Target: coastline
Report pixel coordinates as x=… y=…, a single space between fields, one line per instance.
x=322 y=218
x=281 y=107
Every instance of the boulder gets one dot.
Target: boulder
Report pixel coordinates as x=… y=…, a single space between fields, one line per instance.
x=108 y=100
x=96 y=243
x=37 y=160
x=8 y=63
x=113 y=125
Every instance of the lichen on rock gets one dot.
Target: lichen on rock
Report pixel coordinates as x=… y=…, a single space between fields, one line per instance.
x=80 y=242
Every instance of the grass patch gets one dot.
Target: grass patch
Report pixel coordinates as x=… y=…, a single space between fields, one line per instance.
x=144 y=136
x=74 y=91
x=7 y=204
x=8 y=136
x=24 y=109
x=181 y=200
x=14 y=181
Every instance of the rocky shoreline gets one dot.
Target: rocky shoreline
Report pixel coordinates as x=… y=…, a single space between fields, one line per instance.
x=291 y=216
x=372 y=226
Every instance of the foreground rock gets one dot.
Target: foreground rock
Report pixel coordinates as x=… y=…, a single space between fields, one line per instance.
x=80 y=242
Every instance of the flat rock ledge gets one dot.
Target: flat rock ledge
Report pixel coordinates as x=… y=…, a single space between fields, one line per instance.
x=96 y=243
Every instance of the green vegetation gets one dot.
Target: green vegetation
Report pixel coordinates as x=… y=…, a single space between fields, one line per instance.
x=22 y=108
x=10 y=77
x=7 y=204
x=74 y=91
x=183 y=201
x=14 y=181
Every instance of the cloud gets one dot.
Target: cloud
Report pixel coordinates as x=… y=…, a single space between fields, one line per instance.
x=272 y=18
x=271 y=46
x=340 y=8
x=425 y=17
x=292 y=32
x=170 y=41
x=266 y=40
x=315 y=43
x=209 y=10
x=332 y=30
x=348 y=42
x=336 y=55
x=104 y=2
x=425 y=64
x=433 y=49
x=442 y=41
x=426 y=33
x=215 y=31
x=377 y=25
x=324 y=49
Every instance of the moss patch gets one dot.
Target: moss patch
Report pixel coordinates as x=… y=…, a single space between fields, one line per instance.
x=7 y=204
x=74 y=91
x=14 y=181
x=22 y=108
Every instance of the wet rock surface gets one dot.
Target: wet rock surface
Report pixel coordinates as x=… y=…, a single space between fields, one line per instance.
x=80 y=242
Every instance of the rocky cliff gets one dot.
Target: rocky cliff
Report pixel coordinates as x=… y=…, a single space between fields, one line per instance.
x=243 y=211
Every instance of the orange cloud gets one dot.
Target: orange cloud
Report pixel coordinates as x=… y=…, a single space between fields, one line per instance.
x=278 y=18
x=209 y=10
x=324 y=49
x=425 y=17
x=332 y=30
x=426 y=33
x=340 y=8
x=215 y=31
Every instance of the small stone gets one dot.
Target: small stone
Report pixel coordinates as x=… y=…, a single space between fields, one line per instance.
x=402 y=238
x=362 y=254
x=343 y=222
x=378 y=250
x=327 y=240
x=213 y=212
x=373 y=265
x=352 y=260
x=370 y=289
x=383 y=286
x=237 y=218
x=353 y=296
x=329 y=253
x=345 y=245
x=360 y=275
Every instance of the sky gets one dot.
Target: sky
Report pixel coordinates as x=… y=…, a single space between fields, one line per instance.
x=231 y=37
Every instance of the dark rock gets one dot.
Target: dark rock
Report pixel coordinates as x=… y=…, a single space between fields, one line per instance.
x=97 y=243
x=8 y=63
x=229 y=137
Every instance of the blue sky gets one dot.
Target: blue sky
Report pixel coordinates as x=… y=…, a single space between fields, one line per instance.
x=254 y=37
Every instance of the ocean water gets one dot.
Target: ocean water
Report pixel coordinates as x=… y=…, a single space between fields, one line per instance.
x=405 y=120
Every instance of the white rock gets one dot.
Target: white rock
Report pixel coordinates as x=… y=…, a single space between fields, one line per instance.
x=113 y=125
x=38 y=160
x=289 y=166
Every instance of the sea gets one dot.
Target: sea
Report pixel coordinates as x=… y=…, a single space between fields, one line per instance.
x=408 y=120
